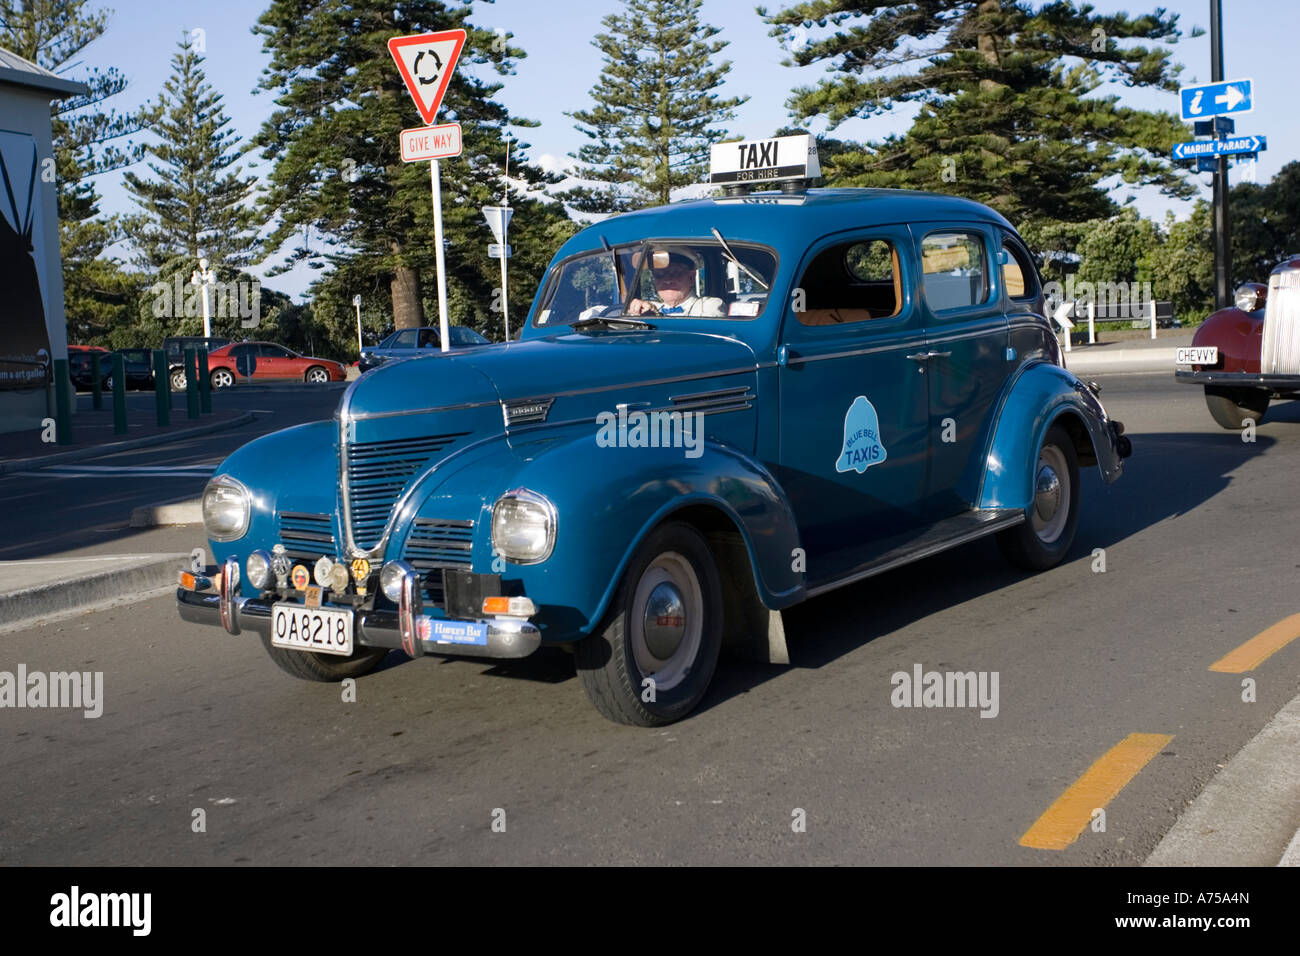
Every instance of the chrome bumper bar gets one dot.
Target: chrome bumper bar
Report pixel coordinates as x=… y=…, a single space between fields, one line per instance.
x=506 y=637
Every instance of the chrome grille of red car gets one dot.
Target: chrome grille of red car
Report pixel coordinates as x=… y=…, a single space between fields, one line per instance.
x=1280 y=352
x=377 y=473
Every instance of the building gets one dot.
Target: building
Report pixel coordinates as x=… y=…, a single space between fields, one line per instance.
x=33 y=329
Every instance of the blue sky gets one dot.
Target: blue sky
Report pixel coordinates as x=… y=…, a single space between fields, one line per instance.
x=562 y=66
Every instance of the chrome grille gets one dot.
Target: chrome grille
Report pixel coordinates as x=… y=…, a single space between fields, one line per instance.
x=377 y=473
x=307 y=536
x=1280 y=349
x=434 y=544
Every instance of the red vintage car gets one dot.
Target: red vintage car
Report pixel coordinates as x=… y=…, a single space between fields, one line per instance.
x=1249 y=354
x=267 y=362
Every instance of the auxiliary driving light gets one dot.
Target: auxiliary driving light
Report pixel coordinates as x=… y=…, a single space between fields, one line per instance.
x=339 y=578
x=258 y=570
x=390 y=579
x=321 y=572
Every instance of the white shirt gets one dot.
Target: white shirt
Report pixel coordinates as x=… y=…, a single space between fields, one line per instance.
x=693 y=305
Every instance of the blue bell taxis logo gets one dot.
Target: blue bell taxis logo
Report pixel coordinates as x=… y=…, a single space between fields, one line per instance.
x=862 y=445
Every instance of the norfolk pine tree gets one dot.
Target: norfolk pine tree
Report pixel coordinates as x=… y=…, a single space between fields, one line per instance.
x=1005 y=116
x=196 y=203
x=657 y=110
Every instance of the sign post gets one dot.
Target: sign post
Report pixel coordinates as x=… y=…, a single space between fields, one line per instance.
x=498 y=220
x=356 y=302
x=426 y=62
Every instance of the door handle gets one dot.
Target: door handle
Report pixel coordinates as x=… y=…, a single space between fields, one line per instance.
x=925 y=356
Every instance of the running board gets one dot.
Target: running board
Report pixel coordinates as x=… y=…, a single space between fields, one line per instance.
x=949 y=533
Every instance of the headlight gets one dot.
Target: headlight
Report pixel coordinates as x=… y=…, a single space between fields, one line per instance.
x=523 y=527
x=258 y=570
x=225 y=509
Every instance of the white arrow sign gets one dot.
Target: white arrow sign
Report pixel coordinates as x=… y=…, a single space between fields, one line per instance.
x=1232 y=96
x=498 y=218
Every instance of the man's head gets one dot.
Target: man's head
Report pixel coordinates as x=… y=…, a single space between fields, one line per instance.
x=675 y=281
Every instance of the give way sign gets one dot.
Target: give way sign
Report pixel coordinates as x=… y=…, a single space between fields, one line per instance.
x=426 y=61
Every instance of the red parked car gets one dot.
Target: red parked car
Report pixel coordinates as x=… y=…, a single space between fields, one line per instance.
x=1249 y=354
x=268 y=362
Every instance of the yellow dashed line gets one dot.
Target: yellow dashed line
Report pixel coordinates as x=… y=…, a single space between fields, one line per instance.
x=1062 y=822
x=1259 y=648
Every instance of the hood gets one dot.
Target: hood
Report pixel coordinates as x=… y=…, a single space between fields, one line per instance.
x=588 y=362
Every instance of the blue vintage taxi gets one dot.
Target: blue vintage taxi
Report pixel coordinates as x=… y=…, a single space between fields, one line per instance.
x=717 y=409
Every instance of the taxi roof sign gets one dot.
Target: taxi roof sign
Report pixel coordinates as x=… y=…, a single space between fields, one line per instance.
x=426 y=62
x=764 y=160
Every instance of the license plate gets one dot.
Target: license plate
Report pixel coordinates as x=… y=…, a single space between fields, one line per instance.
x=319 y=629
x=1196 y=355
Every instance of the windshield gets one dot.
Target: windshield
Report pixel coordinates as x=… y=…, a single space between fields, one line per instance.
x=686 y=279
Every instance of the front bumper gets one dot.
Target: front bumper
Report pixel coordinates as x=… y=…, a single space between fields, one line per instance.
x=1271 y=383
x=506 y=637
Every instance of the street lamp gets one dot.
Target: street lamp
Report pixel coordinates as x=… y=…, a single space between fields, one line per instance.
x=203 y=277
x=356 y=301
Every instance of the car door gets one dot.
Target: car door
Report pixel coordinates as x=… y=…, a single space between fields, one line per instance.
x=277 y=362
x=966 y=337
x=854 y=406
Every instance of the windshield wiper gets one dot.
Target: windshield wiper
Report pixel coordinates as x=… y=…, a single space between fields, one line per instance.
x=610 y=321
x=734 y=258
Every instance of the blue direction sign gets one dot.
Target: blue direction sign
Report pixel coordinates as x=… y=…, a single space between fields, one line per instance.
x=1231 y=146
x=1216 y=99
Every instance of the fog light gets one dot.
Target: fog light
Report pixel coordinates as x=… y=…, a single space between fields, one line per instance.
x=509 y=606
x=258 y=570
x=339 y=578
x=390 y=579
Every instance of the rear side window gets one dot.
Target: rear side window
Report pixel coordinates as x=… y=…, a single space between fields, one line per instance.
x=852 y=282
x=1017 y=272
x=953 y=270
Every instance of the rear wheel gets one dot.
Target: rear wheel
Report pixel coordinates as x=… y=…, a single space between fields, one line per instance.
x=222 y=378
x=178 y=380
x=1042 y=539
x=325 y=667
x=653 y=658
x=317 y=375
x=1230 y=407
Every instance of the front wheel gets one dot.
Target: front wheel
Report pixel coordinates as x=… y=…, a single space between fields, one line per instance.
x=1042 y=539
x=653 y=658
x=1230 y=407
x=178 y=380
x=327 y=668
x=317 y=375
x=222 y=378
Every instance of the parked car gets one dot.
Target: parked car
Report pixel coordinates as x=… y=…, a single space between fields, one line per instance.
x=175 y=347
x=718 y=409
x=82 y=361
x=266 y=362
x=138 y=364
x=1248 y=354
x=410 y=343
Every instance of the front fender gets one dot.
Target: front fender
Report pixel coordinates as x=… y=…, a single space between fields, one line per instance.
x=607 y=500
x=298 y=463
x=1039 y=396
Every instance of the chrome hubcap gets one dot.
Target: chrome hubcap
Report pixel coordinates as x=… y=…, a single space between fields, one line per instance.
x=1051 y=508
x=1047 y=493
x=665 y=620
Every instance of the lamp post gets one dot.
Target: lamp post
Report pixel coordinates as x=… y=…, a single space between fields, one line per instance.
x=203 y=277
x=356 y=302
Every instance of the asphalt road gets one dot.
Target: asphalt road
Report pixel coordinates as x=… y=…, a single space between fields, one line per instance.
x=1198 y=540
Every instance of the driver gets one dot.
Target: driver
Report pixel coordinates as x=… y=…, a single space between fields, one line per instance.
x=675 y=284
